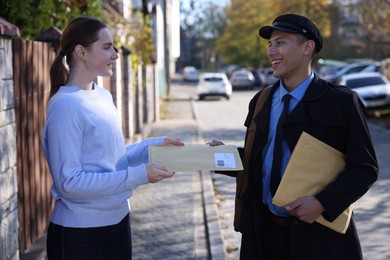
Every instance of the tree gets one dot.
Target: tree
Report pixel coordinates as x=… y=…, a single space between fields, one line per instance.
x=204 y=19
x=373 y=16
x=65 y=10
x=202 y=22
x=27 y=15
x=34 y=16
x=143 y=42
x=316 y=10
x=240 y=43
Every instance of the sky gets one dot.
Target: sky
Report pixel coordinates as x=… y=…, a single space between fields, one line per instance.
x=186 y=4
x=221 y=2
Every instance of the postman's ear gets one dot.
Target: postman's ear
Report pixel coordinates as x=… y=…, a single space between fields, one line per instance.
x=309 y=47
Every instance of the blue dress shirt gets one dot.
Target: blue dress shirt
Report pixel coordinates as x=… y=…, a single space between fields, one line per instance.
x=267 y=154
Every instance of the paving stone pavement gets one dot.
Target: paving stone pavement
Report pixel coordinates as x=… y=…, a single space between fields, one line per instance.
x=177 y=217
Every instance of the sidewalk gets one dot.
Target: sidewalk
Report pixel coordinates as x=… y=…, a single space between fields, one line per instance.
x=177 y=217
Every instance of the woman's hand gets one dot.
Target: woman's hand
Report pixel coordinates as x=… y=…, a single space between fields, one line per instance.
x=215 y=143
x=156 y=173
x=172 y=141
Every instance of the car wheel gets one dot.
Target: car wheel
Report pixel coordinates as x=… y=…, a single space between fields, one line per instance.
x=227 y=97
x=201 y=97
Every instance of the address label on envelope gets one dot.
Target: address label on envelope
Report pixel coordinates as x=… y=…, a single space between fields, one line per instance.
x=196 y=157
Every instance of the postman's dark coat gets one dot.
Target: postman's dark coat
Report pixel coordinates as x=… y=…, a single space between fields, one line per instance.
x=335 y=115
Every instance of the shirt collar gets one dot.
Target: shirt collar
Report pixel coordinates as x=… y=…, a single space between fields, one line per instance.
x=299 y=91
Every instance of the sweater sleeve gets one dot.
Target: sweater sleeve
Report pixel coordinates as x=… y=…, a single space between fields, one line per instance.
x=138 y=153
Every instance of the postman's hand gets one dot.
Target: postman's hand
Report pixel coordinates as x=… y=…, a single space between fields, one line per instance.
x=156 y=173
x=306 y=209
x=172 y=141
x=215 y=143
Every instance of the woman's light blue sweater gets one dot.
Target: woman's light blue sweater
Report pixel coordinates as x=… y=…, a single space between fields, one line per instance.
x=93 y=171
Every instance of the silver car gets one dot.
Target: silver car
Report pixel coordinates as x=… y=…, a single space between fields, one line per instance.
x=242 y=79
x=190 y=73
x=372 y=87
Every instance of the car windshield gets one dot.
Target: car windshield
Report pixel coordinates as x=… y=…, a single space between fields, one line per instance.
x=213 y=79
x=364 y=82
x=349 y=70
x=241 y=75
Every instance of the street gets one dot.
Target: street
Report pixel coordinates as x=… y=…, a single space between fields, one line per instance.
x=222 y=119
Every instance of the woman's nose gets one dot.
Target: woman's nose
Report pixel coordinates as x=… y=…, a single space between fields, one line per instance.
x=115 y=54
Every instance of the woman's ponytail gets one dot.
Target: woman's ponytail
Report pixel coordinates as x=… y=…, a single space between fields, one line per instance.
x=58 y=74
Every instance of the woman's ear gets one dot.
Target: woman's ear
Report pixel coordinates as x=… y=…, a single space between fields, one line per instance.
x=80 y=51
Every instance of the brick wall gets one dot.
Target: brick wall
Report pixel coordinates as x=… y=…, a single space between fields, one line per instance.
x=9 y=248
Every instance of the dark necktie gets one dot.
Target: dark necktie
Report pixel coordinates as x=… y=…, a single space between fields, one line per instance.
x=278 y=152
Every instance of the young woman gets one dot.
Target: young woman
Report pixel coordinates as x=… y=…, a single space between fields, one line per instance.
x=93 y=171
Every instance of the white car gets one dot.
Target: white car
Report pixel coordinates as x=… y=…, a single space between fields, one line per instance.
x=372 y=87
x=214 y=84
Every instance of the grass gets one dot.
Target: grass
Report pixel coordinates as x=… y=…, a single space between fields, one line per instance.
x=164 y=111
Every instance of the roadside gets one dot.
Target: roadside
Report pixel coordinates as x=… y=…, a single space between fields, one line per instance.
x=177 y=218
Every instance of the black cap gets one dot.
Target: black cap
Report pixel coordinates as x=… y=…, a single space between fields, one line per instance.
x=294 y=23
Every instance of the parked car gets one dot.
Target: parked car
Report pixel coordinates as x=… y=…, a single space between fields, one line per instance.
x=190 y=73
x=214 y=84
x=229 y=69
x=348 y=69
x=328 y=71
x=243 y=79
x=263 y=80
x=372 y=87
x=259 y=79
x=374 y=67
x=269 y=77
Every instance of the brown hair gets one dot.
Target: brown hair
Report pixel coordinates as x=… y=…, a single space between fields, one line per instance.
x=81 y=30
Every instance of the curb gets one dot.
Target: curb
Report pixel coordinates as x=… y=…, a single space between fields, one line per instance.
x=212 y=223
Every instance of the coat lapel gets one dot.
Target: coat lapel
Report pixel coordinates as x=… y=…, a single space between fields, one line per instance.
x=300 y=117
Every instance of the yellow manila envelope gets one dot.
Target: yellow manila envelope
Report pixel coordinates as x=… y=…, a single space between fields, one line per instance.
x=196 y=157
x=312 y=166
